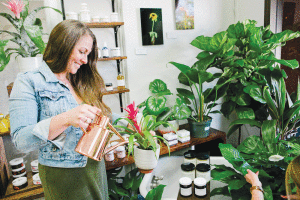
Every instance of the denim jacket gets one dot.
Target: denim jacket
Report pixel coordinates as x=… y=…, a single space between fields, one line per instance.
x=36 y=97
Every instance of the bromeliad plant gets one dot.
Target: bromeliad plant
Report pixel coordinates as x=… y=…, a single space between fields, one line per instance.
x=141 y=133
x=156 y=104
x=28 y=35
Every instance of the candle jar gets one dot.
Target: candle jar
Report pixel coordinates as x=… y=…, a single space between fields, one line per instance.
x=185 y=184
x=200 y=187
x=189 y=157
x=202 y=158
x=20 y=183
x=188 y=170
x=203 y=170
x=120 y=151
x=115 y=52
x=109 y=156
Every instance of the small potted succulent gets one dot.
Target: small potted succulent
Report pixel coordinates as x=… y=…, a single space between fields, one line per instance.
x=156 y=105
x=28 y=35
x=142 y=140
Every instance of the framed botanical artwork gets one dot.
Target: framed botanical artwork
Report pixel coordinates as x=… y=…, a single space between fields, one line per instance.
x=152 y=28
x=184 y=14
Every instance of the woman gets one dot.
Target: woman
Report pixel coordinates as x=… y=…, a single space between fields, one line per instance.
x=49 y=105
x=292 y=179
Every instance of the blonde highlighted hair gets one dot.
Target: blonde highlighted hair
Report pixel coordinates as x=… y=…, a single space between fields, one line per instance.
x=292 y=178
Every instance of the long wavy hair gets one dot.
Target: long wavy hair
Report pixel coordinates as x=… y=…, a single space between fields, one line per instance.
x=87 y=82
x=292 y=178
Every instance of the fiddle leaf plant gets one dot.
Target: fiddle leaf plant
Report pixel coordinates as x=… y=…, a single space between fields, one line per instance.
x=244 y=54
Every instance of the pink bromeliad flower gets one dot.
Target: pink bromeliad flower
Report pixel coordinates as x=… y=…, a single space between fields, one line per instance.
x=16 y=6
x=132 y=112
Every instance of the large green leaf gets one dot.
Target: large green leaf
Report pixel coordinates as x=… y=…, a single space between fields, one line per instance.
x=220 y=191
x=159 y=87
x=204 y=63
x=35 y=34
x=252 y=144
x=289 y=63
x=156 y=193
x=236 y=31
x=186 y=93
x=268 y=130
x=232 y=155
x=155 y=105
x=181 y=110
x=255 y=91
x=227 y=108
x=245 y=113
x=211 y=44
x=4 y=58
x=271 y=104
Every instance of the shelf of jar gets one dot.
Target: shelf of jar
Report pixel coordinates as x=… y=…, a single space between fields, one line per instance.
x=113 y=58
x=29 y=192
x=214 y=134
x=104 y=24
x=116 y=91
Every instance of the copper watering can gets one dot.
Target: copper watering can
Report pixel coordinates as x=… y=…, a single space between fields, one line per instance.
x=95 y=138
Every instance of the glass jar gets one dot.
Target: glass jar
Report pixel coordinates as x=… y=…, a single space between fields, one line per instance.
x=109 y=86
x=120 y=151
x=185 y=184
x=200 y=187
x=202 y=158
x=96 y=19
x=20 y=183
x=115 y=52
x=109 y=156
x=72 y=15
x=188 y=170
x=114 y=17
x=189 y=157
x=203 y=170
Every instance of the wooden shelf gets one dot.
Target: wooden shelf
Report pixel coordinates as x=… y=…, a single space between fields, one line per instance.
x=113 y=58
x=214 y=134
x=30 y=192
x=104 y=24
x=116 y=91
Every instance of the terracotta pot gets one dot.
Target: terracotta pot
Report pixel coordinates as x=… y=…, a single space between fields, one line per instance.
x=146 y=160
x=163 y=130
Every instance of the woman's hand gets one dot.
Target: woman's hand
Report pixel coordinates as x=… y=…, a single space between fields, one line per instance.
x=252 y=178
x=82 y=115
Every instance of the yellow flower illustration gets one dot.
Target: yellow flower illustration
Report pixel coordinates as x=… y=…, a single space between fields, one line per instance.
x=153 y=17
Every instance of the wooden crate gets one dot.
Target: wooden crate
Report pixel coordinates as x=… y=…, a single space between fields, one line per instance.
x=4 y=170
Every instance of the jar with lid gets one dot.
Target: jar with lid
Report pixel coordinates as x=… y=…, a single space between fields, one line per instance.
x=96 y=19
x=105 y=19
x=114 y=17
x=105 y=50
x=188 y=170
x=109 y=86
x=120 y=151
x=189 y=157
x=120 y=81
x=185 y=184
x=109 y=156
x=202 y=158
x=84 y=13
x=203 y=170
x=200 y=187
x=115 y=52
x=72 y=15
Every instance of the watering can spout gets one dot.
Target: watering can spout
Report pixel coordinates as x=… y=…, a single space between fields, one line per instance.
x=94 y=140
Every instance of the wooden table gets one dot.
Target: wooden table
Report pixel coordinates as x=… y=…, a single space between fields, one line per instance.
x=214 y=134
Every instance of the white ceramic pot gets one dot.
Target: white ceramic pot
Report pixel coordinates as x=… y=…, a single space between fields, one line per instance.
x=162 y=130
x=28 y=63
x=146 y=159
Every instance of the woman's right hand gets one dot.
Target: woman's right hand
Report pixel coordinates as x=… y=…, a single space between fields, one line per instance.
x=252 y=178
x=82 y=115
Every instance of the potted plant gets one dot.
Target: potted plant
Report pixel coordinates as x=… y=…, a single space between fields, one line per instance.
x=271 y=153
x=244 y=54
x=28 y=35
x=156 y=105
x=141 y=141
x=194 y=77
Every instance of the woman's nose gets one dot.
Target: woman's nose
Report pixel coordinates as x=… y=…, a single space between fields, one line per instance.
x=84 y=59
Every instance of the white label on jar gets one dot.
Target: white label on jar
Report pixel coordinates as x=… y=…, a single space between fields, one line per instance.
x=200 y=192
x=105 y=53
x=121 y=82
x=186 y=191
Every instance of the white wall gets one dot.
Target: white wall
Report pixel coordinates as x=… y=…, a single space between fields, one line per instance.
x=210 y=17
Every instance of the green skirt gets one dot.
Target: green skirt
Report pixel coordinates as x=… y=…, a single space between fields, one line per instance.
x=89 y=182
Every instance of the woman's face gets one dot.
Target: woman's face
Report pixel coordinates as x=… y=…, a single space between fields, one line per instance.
x=79 y=55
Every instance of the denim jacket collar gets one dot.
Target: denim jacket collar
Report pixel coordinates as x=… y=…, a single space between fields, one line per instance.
x=47 y=73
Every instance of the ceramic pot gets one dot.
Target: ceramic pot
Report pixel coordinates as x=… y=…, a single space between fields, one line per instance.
x=163 y=130
x=200 y=129
x=28 y=63
x=146 y=160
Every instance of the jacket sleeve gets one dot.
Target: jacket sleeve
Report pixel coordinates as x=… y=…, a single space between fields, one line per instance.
x=27 y=132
